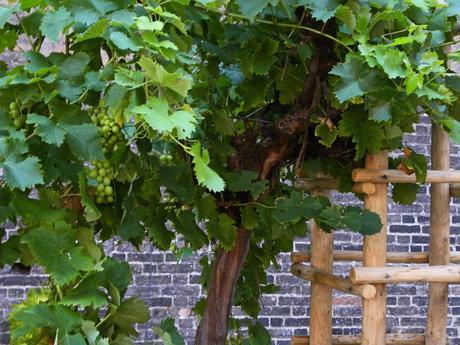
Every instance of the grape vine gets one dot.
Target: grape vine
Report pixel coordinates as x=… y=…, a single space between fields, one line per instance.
x=187 y=123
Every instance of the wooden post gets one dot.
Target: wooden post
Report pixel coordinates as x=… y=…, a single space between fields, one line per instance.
x=374 y=255
x=321 y=295
x=439 y=239
x=392 y=339
x=395 y=275
x=392 y=257
x=397 y=176
x=336 y=282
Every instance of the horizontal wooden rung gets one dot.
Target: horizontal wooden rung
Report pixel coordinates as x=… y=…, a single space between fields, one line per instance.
x=339 y=283
x=326 y=183
x=392 y=339
x=397 y=176
x=392 y=257
x=390 y=275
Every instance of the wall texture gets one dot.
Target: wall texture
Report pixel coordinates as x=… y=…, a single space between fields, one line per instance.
x=171 y=288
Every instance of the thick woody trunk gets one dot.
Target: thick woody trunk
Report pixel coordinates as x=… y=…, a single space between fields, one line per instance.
x=226 y=271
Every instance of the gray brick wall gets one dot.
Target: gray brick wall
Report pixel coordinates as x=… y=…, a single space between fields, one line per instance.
x=171 y=288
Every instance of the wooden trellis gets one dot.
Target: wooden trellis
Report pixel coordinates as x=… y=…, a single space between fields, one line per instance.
x=369 y=281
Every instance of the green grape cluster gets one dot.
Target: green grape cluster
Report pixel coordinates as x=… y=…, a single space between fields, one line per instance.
x=16 y=116
x=166 y=159
x=110 y=129
x=103 y=173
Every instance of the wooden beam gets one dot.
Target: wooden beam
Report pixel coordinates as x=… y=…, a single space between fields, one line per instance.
x=326 y=183
x=320 y=294
x=356 y=255
x=436 y=323
x=392 y=275
x=374 y=254
x=455 y=190
x=397 y=176
x=391 y=339
x=365 y=291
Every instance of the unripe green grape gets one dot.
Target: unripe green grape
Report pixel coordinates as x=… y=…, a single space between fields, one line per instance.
x=169 y=158
x=106 y=164
x=108 y=190
x=102 y=172
x=14 y=106
x=106 y=181
x=104 y=150
x=99 y=199
x=110 y=198
x=100 y=187
x=17 y=123
x=93 y=174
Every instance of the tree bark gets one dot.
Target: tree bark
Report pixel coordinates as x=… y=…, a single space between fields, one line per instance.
x=226 y=271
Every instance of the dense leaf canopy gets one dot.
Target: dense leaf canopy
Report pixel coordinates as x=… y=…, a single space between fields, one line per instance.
x=184 y=121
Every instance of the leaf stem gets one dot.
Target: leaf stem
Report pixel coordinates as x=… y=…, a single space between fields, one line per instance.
x=285 y=25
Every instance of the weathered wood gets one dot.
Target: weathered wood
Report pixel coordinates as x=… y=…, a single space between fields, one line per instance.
x=436 y=329
x=455 y=190
x=326 y=183
x=213 y=327
x=356 y=255
x=374 y=254
x=391 y=339
x=320 y=294
x=317 y=183
x=391 y=275
x=397 y=176
x=365 y=291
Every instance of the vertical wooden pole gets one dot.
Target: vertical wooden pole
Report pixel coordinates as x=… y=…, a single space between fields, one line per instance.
x=321 y=295
x=439 y=239
x=374 y=255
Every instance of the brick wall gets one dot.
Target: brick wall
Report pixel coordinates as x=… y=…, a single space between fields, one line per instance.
x=171 y=288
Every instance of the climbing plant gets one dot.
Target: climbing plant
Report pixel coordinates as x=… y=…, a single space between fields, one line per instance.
x=187 y=123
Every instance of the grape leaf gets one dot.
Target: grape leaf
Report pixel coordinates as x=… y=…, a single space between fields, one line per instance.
x=47 y=129
x=122 y=41
x=55 y=250
x=186 y=225
x=155 y=113
x=158 y=74
x=259 y=57
x=5 y=15
x=43 y=315
x=85 y=294
x=92 y=213
x=130 y=312
x=94 y=31
x=353 y=218
x=294 y=208
x=53 y=23
x=356 y=78
x=393 y=61
x=258 y=335
x=22 y=173
x=92 y=335
x=9 y=250
x=204 y=174
x=405 y=193
x=321 y=9
x=365 y=133
x=168 y=333
x=252 y=8
x=327 y=135
x=224 y=230
x=289 y=85
x=245 y=181
x=129 y=78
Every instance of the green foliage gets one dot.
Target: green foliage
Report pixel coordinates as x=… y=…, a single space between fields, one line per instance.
x=168 y=332
x=181 y=121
